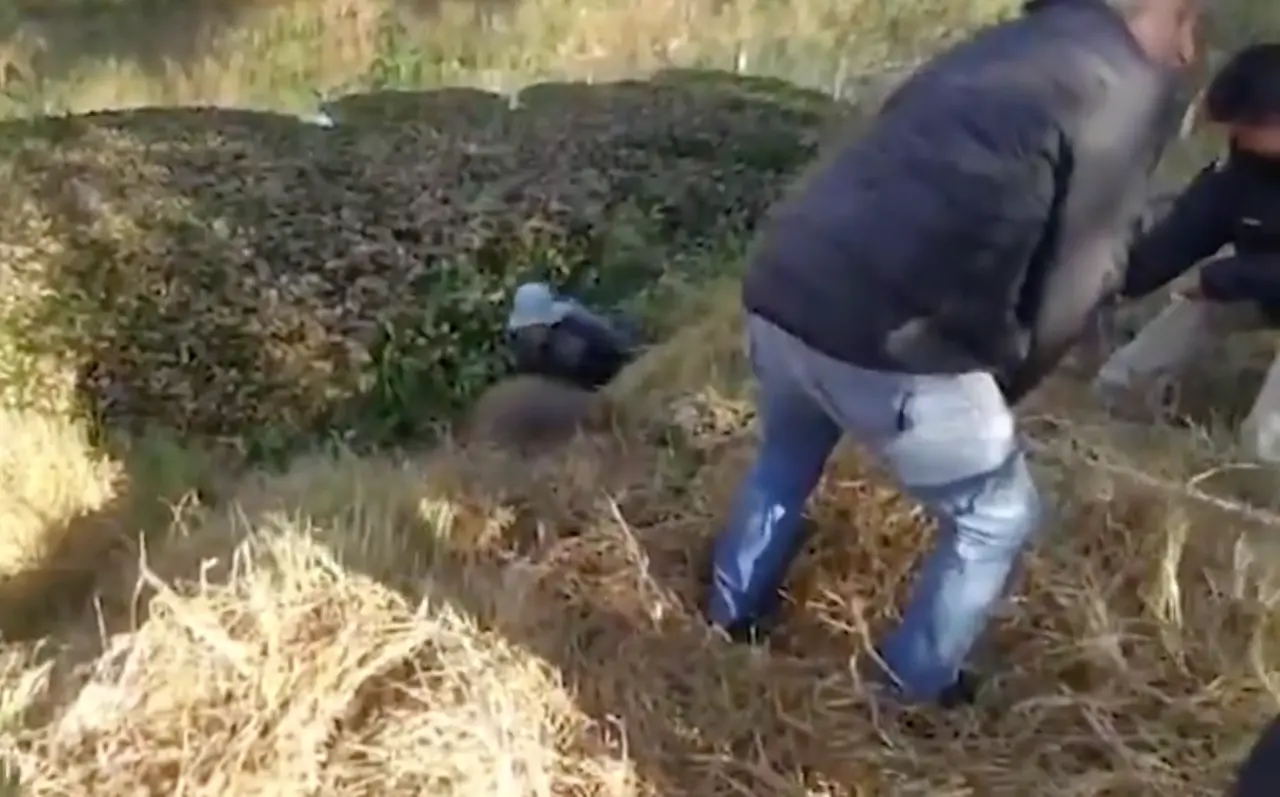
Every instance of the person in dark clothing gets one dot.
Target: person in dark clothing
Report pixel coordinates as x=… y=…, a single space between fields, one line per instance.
x=926 y=276
x=560 y=339
x=1259 y=776
x=1234 y=202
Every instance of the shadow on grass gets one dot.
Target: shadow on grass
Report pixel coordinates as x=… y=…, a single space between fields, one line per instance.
x=40 y=598
x=83 y=552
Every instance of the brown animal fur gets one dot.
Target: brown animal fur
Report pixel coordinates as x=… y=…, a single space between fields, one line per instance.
x=532 y=413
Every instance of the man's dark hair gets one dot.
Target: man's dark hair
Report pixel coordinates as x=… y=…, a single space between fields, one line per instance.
x=1246 y=91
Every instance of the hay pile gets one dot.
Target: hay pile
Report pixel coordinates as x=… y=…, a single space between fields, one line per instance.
x=461 y=624
x=246 y=275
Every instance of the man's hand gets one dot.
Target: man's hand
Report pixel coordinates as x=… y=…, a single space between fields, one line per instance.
x=1192 y=290
x=1205 y=284
x=1239 y=278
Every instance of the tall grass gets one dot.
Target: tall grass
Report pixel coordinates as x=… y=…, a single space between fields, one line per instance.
x=283 y=54
x=79 y=55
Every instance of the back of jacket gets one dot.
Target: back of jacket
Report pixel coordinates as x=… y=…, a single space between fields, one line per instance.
x=983 y=217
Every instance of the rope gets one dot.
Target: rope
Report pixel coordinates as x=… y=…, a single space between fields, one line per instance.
x=1095 y=460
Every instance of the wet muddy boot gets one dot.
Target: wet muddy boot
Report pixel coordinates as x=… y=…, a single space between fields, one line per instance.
x=962 y=692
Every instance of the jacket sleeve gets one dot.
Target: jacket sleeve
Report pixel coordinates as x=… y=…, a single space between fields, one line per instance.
x=1196 y=226
x=1110 y=167
x=1243 y=278
x=598 y=352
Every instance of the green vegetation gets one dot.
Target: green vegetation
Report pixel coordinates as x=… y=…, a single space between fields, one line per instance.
x=247 y=276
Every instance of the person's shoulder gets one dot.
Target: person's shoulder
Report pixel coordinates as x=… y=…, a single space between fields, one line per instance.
x=1057 y=60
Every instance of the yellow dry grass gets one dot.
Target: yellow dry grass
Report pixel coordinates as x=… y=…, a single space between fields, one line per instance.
x=50 y=476
x=275 y=54
x=458 y=623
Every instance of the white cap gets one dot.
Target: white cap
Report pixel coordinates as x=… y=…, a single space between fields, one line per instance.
x=535 y=304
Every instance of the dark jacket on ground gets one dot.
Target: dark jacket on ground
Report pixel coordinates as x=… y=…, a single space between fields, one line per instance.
x=1233 y=202
x=984 y=216
x=575 y=350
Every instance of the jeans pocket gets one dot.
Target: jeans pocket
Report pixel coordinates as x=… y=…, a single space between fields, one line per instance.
x=967 y=405
x=952 y=428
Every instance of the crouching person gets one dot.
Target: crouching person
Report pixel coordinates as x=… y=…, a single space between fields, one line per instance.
x=558 y=338
x=1235 y=203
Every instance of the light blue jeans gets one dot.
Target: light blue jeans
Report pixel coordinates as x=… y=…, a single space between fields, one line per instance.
x=951 y=442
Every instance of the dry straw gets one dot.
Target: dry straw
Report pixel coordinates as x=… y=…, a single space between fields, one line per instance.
x=466 y=625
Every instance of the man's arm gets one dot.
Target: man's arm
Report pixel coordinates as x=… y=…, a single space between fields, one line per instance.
x=1110 y=169
x=1195 y=227
x=1243 y=278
